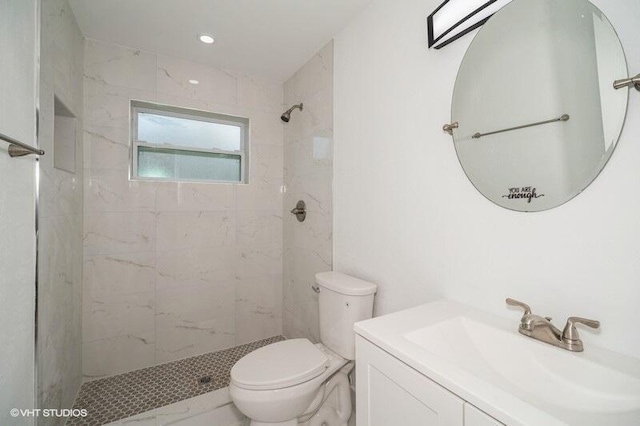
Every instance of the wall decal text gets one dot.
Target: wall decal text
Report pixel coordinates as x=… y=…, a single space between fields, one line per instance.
x=526 y=192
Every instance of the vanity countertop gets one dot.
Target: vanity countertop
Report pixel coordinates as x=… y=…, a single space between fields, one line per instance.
x=483 y=359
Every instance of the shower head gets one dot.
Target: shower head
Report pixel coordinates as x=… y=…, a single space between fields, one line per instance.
x=286 y=116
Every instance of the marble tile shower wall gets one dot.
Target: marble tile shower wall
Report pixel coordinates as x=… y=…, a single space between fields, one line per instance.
x=308 y=177
x=59 y=344
x=173 y=270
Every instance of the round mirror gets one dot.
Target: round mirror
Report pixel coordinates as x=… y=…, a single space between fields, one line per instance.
x=534 y=100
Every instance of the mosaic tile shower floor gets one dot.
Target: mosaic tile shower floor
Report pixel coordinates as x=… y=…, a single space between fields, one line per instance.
x=125 y=395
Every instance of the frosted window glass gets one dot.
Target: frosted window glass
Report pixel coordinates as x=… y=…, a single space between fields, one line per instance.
x=172 y=164
x=189 y=133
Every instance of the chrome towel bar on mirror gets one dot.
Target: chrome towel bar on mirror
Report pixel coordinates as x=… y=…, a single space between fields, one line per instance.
x=449 y=127
x=563 y=117
x=618 y=84
x=19 y=149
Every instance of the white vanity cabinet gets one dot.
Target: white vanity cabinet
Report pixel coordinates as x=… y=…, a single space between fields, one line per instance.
x=475 y=417
x=391 y=393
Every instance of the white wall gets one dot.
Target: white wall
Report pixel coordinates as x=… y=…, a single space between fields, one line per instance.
x=407 y=218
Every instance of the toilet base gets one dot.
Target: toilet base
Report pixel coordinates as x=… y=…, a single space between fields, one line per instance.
x=335 y=406
x=326 y=416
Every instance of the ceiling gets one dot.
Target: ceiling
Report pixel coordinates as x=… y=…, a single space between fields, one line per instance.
x=267 y=38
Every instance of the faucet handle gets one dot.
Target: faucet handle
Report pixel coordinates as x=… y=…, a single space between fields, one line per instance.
x=570 y=333
x=513 y=302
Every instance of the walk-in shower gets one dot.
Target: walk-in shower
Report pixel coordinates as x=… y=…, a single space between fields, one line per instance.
x=147 y=292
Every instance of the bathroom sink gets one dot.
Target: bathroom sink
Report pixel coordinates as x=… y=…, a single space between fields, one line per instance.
x=545 y=372
x=481 y=358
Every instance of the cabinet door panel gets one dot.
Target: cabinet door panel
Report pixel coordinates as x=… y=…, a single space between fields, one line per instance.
x=390 y=393
x=391 y=404
x=475 y=417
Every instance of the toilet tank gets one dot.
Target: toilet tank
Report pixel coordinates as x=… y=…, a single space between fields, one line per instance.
x=343 y=301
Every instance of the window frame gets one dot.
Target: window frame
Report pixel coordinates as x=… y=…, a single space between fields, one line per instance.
x=137 y=107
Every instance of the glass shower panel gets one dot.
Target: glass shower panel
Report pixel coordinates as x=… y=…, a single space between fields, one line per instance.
x=18 y=31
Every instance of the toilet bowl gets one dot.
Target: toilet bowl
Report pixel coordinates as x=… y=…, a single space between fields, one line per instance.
x=297 y=382
x=293 y=387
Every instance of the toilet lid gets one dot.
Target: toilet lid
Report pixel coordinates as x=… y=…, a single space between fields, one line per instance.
x=279 y=365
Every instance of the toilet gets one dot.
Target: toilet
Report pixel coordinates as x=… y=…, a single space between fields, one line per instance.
x=297 y=382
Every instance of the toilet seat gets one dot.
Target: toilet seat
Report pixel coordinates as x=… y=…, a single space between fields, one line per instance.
x=279 y=365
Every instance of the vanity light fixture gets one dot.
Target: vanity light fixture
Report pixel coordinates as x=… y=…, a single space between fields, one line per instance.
x=455 y=18
x=206 y=38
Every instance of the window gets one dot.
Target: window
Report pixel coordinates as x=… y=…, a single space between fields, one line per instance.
x=176 y=144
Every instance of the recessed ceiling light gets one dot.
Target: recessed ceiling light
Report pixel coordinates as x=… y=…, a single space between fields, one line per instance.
x=192 y=81
x=206 y=38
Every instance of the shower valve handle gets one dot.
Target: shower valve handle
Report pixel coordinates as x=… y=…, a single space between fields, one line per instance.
x=300 y=210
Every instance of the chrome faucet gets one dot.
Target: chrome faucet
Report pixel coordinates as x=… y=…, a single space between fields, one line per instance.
x=540 y=328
